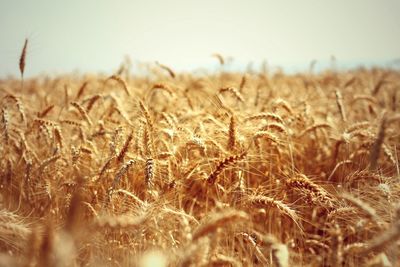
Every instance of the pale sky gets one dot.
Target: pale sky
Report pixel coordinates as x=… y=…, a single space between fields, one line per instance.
x=94 y=35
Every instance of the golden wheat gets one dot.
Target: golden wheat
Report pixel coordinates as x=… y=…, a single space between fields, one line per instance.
x=217 y=169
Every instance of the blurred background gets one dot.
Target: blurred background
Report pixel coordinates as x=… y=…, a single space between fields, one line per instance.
x=96 y=35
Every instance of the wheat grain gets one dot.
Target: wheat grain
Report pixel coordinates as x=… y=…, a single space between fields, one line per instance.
x=382 y=81
x=285 y=209
x=146 y=114
x=163 y=87
x=120 y=81
x=376 y=147
x=233 y=91
x=92 y=101
x=22 y=59
x=46 y=111
x=117 y=222
x=48 y=161
x=125 y=147
x=106 y=166
x=83 y=112
x=121 y=172
x=220 y=58
x=168 y=69
x=314 y=192
x=232 y=134
x=357 y=126
x=219 y=220
x=81 y=90
x=222 y=165
x=243 y=82
x=149 y=172
x=72 y=123
x=274 y=126
x=19 y=105
x=271 y=116
x=58 y=136
x=5 y=119
x=367 y=98
x=267 y=135
x=283 y=104
x=339 y=102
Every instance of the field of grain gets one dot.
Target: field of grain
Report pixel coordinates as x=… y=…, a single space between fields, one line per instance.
x=220 y=169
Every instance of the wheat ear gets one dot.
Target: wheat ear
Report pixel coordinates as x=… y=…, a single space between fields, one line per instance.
x=282 y=207
x=22 y=61
x=222 y=165
x=339 y=102
x=168 y=69
x=121 y=81
x=125 y=148
x=219 y=220
x=376 y=147
x=232 y=134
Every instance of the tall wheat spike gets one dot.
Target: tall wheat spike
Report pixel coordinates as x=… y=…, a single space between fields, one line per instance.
x=22 y=61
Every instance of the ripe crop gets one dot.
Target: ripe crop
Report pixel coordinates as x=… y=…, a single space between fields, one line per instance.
x=221 y=169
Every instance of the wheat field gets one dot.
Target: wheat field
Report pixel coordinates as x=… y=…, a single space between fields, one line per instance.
x=257 y=168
